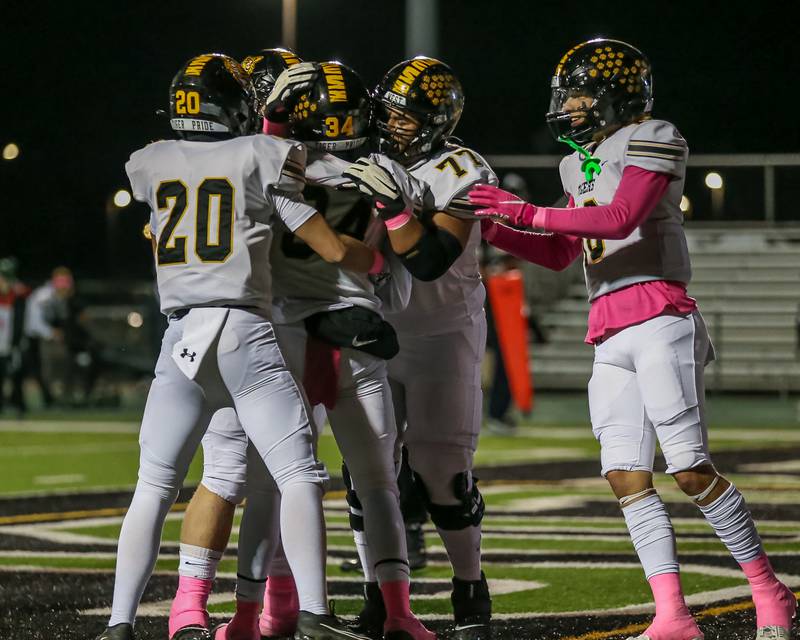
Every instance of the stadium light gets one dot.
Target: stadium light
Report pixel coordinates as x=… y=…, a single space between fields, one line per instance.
x=122 y=198
x=713 y=180
x=686 y=204
x=135 y=319
x=10 y=151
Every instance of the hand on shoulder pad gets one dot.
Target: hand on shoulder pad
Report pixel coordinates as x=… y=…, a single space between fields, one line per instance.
x=377 y=183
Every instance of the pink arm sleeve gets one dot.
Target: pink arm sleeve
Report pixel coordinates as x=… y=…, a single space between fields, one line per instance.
x=554 y=252
x=638 y=192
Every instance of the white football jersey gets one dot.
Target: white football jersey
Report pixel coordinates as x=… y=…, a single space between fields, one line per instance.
x=657 y=249
x=441 y=306
x=213 y=205
x=303 y=283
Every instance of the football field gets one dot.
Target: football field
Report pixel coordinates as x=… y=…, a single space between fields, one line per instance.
x=556 y=550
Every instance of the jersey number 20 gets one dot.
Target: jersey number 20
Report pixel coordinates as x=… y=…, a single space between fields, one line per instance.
x=172 y=195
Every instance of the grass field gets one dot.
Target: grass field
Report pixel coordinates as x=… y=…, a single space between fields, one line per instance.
x=556 y=552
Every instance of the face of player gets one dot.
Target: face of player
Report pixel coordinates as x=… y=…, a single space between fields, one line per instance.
x=402 y=127
x=578 y=106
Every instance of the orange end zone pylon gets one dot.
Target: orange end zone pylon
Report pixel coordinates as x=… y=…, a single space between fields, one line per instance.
x=507 y=297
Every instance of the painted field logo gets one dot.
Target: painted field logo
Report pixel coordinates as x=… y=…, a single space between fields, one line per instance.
x=195 y=67
x=333 y=78
x=407 y=76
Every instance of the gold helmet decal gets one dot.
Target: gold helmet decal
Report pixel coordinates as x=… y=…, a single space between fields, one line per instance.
x=251 y=61
x=333 y=78
x=195 y=66
x=402 y=85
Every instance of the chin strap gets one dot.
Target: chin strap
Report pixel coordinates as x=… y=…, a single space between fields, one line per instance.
x=590 y=165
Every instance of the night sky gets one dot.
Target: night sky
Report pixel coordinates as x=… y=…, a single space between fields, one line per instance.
x=80 y=88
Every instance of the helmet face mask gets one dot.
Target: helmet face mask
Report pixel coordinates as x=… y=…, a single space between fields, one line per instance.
x=264 y=68
x=211 y=94
x=613 y=81
x=423 y=91
x=335 y=114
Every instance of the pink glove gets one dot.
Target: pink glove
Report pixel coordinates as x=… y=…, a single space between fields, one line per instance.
x=497 y=203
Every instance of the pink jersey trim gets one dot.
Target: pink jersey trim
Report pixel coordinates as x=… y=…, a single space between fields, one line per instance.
x=632 y=305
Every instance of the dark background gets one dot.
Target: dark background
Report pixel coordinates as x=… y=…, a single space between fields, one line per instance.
x=80 y=87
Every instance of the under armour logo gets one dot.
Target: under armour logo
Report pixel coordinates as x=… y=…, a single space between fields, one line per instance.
x=186 y=354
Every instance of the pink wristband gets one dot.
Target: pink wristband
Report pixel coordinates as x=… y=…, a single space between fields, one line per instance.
x=377 y=262
x=398 y=221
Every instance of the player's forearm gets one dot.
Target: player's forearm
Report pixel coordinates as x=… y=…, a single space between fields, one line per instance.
x=405 y=237
x=554 y=251
x=359 y=257
x=638 y=193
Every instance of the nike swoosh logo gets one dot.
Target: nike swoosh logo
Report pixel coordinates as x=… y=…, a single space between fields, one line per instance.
x=469 y=626
x=361 y=343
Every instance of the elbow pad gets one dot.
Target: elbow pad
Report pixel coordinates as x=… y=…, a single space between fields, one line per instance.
x=434 y=253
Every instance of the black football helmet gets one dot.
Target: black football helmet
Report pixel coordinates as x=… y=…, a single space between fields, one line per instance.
x=335 y=114
x=264 y=68
x=614 y=75
x=212 y=94
x=426 y=90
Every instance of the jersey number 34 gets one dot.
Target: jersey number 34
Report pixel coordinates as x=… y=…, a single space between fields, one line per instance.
x=171 y=196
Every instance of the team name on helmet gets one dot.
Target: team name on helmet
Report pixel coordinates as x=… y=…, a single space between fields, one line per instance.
x=411 y=72
x=337 y=92
x=195 y=66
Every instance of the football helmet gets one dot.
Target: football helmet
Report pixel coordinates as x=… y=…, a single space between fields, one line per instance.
x=615 y=78
x=212 y=94
x=335 y=114
x=264 y=68
x=425 y=90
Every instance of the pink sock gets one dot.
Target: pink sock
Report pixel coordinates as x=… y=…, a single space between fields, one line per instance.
x=243 y=625
x=673 y=620
x=281 y=607
x=189 y=604
x=396 y=598
x=775 y=602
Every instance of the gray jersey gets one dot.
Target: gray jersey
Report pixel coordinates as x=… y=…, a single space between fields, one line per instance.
x=442 y=306
x=304 y=283
x=213 y=205
x=657 y=249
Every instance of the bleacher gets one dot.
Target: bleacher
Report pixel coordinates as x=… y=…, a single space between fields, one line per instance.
x=747 y=283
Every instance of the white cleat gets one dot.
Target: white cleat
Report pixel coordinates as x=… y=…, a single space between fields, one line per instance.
x=773 y=633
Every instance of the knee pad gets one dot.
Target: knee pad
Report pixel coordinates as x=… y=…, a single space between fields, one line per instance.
x=454 y=517
x=412 y=500
x=355 y=511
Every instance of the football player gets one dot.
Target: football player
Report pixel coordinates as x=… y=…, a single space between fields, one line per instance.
x=329 y=324
x=624 y=181
x=215 y=195
x=442 y=332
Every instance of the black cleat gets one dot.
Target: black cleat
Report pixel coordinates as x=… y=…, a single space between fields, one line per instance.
x=415 y=542
x=192 y=632
x=472 y=609
x=311 y=626
x=121 y=631
x=370 y=621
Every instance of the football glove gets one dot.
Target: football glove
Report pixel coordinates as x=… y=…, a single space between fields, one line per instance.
x=288 y=88
x=497 y=203
x=379 y=185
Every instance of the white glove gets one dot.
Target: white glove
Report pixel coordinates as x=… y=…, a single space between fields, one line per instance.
x=377 y=183
x=288 y=88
